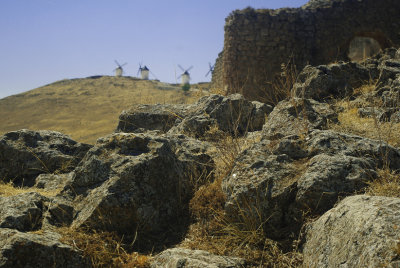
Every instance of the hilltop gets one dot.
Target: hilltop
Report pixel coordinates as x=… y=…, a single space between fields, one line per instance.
x=86 y=108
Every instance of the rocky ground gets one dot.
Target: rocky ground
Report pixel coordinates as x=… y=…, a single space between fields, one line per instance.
x=224 y=182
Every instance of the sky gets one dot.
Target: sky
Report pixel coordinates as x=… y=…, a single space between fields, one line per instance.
x=43 y=41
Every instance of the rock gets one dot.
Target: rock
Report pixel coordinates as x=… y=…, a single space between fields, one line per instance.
x=142 y=117
x=298 y=117
x=232 y=114
x=274 y=181
x=340 y=79
x=180 y=257
x=381 y=114
x=137 y=182
x=259 y=114
x=370 y=112
x=37 y=250
x=25 y=154
x=195 y=125
x=389 y=69
x=333 y=80
x=23 y=212
x=60 y=213
x=395 y=118
x=53 y=182
x=361 y=231
x=391 y=98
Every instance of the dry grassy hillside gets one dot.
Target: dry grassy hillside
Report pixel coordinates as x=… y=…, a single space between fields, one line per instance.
x=86 y=108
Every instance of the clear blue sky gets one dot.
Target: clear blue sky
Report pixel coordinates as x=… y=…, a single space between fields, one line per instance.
x=43 y=41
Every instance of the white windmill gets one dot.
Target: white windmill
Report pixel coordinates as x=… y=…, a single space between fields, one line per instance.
x=119 y=71
x=144 y=72
x=211 y=69
x=185 y=75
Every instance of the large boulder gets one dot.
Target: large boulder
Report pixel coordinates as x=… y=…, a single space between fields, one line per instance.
x=142 y=117
x=339 y=80
x=232 y=114
x=361 y=231
x=330 y=81
x=142 y=183
x=23 y=212
x=25 y=154
x=298 y=117
x=186 y=258
x=37 y=250
x=275 y=181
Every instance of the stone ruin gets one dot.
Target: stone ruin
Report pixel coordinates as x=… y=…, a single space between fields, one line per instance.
x=258 y=42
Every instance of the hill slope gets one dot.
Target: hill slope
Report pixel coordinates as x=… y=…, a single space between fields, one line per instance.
x=85 y=108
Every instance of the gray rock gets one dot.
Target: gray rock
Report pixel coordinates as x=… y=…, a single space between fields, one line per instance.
x=361 y=231
x=142 y=117
x=334 y=80
x=53 y=181
x=381 y=114
x=272 y=182
x=298 y=117
x=31 y=250
x=395 y=117
x=186 y=258
x=137 y=182
x=23 y=212
x=370 y=112
x=389 y=69
x=60 y=213
x=195 y=125
x=232 y=114
x=25 y=154
x=260 y=113
x=391 y=97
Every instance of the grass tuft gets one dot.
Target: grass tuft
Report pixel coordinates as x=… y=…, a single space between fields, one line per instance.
x=104 y=249
x=9 y=189
x=386 y=184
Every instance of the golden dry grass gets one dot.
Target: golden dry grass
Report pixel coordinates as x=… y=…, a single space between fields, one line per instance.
x=87 y=108
x=8 y=189
x=104 y=249
x=387 y=184
x=350 y=122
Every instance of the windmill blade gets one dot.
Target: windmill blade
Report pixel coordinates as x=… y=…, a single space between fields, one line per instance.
x=189 y=69
x=180 y=67
x=117 y=63
x=153 y=75
x=124 y=64
x=211 y=67
x=178 y=77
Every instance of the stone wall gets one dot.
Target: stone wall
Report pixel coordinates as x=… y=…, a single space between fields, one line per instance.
x=216 y=80
x=258 y=42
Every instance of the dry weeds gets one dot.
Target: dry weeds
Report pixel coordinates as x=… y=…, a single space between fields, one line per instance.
x=350 y=122
x=386 y=184
x=104 y=249
x=8 y=189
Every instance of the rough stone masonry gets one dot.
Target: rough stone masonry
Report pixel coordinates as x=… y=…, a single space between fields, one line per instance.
x=258 y=42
